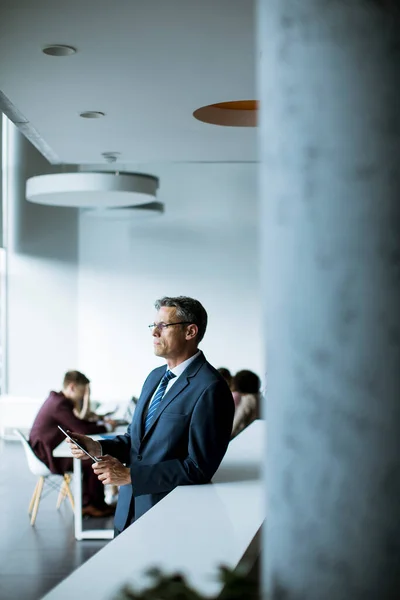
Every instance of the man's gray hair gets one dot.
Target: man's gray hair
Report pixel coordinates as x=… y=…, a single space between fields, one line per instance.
x=187 y=309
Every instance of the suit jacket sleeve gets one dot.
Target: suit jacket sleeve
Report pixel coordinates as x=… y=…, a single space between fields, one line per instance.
x=209 y=434
x=119 y=447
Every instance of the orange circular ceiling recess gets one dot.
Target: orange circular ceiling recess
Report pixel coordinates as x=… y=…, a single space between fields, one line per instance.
x=238 y=113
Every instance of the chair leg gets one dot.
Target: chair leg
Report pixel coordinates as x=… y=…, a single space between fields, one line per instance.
x=33 y=498
x=62 y=493
x=67 y=480
x=37 y=499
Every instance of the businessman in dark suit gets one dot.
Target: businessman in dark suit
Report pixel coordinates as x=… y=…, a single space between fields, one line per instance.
x=182 y=423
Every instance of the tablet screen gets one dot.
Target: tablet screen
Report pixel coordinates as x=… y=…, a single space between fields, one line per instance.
x=94 y=459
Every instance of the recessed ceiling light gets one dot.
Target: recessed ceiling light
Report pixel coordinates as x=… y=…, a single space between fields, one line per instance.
x=92 y=114
x=59 y=50
x=238 y=113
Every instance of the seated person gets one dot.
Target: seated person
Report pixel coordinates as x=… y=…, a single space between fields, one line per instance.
x=62 y=408
x=246 y=386
x=226 y=374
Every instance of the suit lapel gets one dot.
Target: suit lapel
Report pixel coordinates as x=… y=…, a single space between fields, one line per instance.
x=147 y=392
x=175 y=390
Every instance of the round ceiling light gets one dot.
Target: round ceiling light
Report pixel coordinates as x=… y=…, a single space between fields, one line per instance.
x=92 y=114
x=59 y=50
x=92 y=190
x=132 y=213
x=239 y=113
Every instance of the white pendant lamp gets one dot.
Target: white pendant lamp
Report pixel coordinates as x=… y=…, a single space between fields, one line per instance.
x=126 y=213
x=92 y=190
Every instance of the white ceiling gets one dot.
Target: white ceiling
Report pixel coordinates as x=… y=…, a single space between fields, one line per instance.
x=148 y=64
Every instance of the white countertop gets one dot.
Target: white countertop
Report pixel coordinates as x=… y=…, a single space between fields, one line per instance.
x=193 y=530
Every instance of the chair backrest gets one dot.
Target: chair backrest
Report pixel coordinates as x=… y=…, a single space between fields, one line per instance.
x=36 y=466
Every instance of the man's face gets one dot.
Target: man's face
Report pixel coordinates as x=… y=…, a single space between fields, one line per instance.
x=169 y=342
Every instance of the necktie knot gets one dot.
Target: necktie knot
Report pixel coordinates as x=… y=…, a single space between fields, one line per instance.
x=168 y=375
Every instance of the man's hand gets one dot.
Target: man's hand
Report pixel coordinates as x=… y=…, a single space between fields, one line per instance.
x=110 y=471
x=90 y=445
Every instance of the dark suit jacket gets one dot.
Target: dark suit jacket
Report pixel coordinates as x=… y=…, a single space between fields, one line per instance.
x=45 y=435
x=186 y=441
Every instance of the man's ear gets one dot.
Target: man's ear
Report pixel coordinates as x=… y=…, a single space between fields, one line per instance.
x=191 y=331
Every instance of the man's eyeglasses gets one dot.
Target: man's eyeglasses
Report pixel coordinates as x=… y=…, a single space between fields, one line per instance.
x=161 y=326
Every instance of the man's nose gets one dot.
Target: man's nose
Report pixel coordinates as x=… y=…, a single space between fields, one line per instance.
x=156 y=332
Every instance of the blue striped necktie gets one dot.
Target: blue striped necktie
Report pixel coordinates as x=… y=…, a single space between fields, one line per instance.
x=168 y=375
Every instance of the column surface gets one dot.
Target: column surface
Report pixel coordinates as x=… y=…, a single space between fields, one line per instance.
x=329 y=86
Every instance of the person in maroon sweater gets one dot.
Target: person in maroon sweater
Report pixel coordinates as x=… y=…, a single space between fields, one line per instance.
x=63 y=408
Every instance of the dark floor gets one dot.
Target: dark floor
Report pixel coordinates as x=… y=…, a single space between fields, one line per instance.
x=35 y=559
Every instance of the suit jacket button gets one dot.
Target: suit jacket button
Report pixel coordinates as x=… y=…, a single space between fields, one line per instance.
x=139 y=457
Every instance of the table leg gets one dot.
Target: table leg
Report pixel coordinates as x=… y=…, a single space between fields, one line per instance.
x=80 y=533
x=78 y=498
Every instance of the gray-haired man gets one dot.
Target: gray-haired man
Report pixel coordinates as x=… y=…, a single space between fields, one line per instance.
x=182 y=423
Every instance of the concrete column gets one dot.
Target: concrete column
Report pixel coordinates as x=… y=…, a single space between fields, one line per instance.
x=329 y=78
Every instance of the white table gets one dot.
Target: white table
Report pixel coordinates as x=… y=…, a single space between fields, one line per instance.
x=63 y=451
x=192 y=530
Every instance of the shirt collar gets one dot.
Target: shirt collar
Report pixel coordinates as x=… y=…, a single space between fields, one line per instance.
x=178 y=370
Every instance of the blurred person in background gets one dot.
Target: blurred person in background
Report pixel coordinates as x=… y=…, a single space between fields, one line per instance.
x=65 y=408
x=246 y=391
x=226 y=374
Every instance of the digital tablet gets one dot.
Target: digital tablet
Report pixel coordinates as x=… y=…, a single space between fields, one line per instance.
x=94 y=459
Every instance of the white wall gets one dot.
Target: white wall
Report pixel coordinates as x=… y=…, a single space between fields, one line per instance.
x=42 y=280
x=95 y=317
x=204 y=246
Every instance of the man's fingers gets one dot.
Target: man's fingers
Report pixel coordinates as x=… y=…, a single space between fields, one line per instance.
x=75 y=451
x=100 y=467
x=111 y=471
x=104 y=477
x=73 y=447
x=97 y=468
x=80 y=455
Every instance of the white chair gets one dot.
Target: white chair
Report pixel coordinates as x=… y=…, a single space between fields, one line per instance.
x=38 y=468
